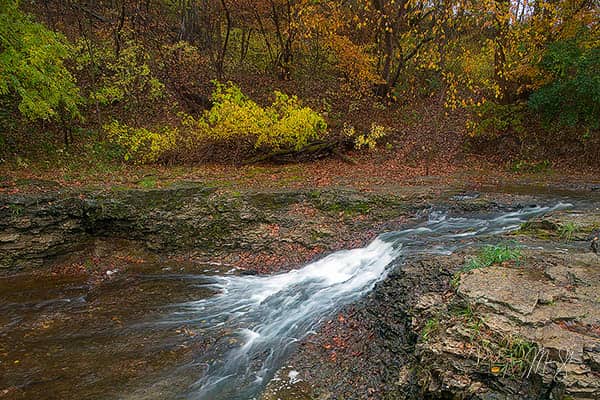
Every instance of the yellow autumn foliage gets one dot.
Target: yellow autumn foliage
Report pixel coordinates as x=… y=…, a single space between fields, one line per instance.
x=141 y=145
x=370 y=139
x=234 y=118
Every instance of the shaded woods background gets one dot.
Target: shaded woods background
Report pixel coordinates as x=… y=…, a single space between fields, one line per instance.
x=138 y=80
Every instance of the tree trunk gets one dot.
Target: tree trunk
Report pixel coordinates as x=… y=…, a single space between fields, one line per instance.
x=502 y=26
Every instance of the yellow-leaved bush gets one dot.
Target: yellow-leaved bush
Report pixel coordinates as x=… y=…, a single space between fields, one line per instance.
x=369 y=139
x=141 y=145
x=285 y=124
x=293 y=126
x=234 y=119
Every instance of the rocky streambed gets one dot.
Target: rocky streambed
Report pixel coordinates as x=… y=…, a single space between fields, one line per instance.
x=526 y=330
x=87 y=275
x=269 y=230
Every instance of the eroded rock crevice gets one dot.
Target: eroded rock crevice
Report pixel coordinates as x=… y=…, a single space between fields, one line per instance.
x=35 y=228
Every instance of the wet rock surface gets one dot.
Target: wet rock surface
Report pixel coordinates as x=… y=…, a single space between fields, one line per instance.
x=368 y=350
x=194 y=220
x=594 y=239
x=509 y=331
x=527 y=331
x=564 y=225
x=259 y=231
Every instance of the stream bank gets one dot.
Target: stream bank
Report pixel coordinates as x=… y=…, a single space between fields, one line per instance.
x=71 y=259
x=258 y=231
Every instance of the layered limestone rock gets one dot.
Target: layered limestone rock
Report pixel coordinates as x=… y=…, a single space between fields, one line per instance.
x=525 y=331
x=36 y=227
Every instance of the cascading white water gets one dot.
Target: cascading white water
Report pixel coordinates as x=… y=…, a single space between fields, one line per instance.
x=259 y=318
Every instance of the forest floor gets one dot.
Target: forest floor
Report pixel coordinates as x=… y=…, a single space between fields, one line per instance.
x=372 y=172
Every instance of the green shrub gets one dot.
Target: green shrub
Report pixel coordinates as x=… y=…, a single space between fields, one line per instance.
x=234 y=117
x=491 y=120
x=572 y=95
x=294 y=126
x=126 y=78
x=371 y=138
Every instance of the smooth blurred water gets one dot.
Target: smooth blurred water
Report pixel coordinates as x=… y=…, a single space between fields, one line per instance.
x=258 y=319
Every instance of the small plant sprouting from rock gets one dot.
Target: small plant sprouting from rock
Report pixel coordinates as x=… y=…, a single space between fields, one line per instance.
x=467 y=312
x=431 y=327
x=16 y=210
x=455 y=281
x=505 y=355
x=595 y=241
x=491 y=255
x=567 y=231
x=516 y=355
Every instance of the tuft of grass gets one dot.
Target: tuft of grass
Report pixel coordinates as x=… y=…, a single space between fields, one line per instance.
x=16 y=210
x=148 y=182
x=515 y=355
x=505 y=355
x=491 y=255
x=467 y=312
x=455 y=281
x=431 y=327
x=567 y=231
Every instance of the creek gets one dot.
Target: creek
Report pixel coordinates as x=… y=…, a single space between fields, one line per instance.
x=163 y=333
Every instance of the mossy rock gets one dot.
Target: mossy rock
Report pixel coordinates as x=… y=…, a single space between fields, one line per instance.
x=541 y=229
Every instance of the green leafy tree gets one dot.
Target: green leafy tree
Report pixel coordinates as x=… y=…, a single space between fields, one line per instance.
x=572 y=95
x=32 y=67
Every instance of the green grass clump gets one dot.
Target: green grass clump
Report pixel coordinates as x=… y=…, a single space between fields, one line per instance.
x=567 y=231
x=515 y=356
x=148 y=182
x=431 y=327
x=491 y=255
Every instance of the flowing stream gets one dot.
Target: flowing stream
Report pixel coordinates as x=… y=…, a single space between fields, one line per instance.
x=258 y=319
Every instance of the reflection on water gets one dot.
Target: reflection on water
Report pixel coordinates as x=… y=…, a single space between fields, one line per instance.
x=63 y=338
